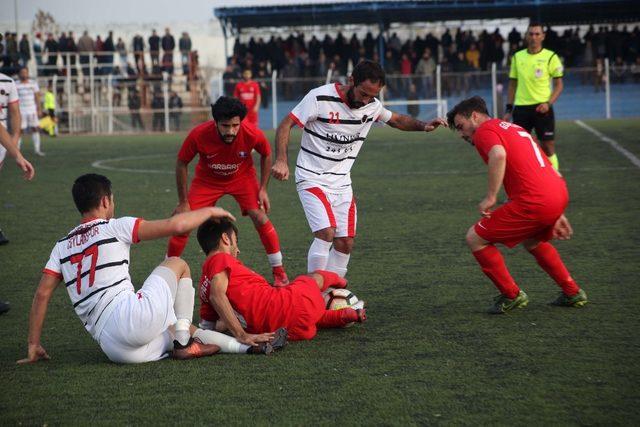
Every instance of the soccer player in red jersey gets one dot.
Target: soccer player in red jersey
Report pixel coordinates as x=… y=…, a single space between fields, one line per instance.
x=248 y=91
x=224 y=145
x=534 y=213
x=246 y=304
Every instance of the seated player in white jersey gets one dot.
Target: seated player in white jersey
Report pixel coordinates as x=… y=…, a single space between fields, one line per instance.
x=92 y=262
x=30 y=110
x=336 y=120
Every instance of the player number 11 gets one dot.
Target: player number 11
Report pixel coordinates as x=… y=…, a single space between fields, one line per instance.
x=535 y=147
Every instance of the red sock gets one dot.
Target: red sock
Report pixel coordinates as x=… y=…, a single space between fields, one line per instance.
x=177 y=244
x=549 y=259
x=337 y=318
x=269 y=237
x=492 y=264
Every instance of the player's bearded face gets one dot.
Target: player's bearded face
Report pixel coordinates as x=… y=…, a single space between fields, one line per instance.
x=235 y=251
x=465 y=128
x=228 y=129
x=363 y=94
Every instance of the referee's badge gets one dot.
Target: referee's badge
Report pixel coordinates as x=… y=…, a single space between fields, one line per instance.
x=364 y=118
x=538 y=73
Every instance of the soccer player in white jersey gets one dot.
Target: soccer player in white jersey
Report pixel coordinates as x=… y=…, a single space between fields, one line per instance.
x=29 y=93
x=92 y=262
x=9 y=120
x=336 y=120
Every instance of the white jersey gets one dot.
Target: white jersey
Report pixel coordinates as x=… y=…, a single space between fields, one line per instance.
x=332 y=138
x=8 y=95
x=93 y=262
x=27 y=93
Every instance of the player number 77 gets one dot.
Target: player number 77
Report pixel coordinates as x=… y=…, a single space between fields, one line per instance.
x=91 y=251
x=535 y=147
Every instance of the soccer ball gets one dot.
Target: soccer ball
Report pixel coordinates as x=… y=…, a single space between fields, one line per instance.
x=336 y=299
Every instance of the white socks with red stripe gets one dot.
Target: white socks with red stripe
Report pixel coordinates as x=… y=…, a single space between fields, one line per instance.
x=226 y=343
x=338 y=262
x=183 y=308
x=318 y=255
x=275 y=259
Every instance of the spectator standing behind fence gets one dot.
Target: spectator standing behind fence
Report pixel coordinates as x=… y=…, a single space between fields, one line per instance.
x=52 y=48
x=185 y=48
x=175 y=107
x=24 y=50
x=134 y=109
x=138 y=54
x=168 y=46
x=154 y=52
x=86 y=46
x=157 y=104
x=426 y=68
x=121 y=48
x=37 y=50
x=12 y=51
x=248 y=92
x=109 y=48
x=63 y=47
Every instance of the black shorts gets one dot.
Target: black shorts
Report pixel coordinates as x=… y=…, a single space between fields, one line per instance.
x=52 y=113
x=543 y=124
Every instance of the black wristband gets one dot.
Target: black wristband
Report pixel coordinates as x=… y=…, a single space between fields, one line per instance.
x=509 y=108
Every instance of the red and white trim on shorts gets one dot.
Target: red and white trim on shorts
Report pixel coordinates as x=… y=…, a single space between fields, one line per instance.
x=325 y=202
x=351 y=219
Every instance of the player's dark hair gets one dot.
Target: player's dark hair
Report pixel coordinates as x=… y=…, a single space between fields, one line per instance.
x=211 y=231
x=465 y=108
x=88 y=190
x=536 y=24
x=368 y=70
x=227 y=108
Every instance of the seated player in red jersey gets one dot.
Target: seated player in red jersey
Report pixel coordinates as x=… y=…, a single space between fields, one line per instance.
x=224 y=145
x=241 y=297
x=534 y=213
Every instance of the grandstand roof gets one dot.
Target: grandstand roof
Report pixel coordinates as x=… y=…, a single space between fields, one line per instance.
x=385 y=13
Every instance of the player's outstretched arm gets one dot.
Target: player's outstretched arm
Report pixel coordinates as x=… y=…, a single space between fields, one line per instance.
x=402 y=122
x=280 y=169
x=511 y=95
x=182 y=176
x=180 y=224
x=497 y=165
x=263 y=195
x=12 y=149
x=218 y=298
x=37 y=314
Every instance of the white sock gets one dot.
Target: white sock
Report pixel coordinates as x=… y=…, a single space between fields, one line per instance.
x=36 y=141
x=3 y=153
x=226 y=343
x=338 y=262
x=275 y=259
x=20 y=143
x=318 y=255
x=183 y=307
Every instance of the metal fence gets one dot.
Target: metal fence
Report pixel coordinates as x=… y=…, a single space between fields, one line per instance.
x=117 y=103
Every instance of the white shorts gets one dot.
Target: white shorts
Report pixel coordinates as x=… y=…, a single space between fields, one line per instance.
x=29 y=120
x=3 y=151
x=137 y=330
x=330 y=210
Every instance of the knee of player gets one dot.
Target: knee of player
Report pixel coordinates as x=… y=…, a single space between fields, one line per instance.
x=326 y=234
x=344 y=244
x=258 y=217
x=178 y=265
x=471 y=238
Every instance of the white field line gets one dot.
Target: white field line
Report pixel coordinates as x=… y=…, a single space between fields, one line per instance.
x=616 y=146
x=102 y=164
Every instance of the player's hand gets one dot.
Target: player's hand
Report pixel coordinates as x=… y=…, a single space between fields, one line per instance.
x=26 y=167
x=433 y=125
x=255 y=339
x=36 y=352
x=562 y=229
x=543 y=108
x=219 y=213
x=280 y=170
x=485 y=206
x=181 y=208
x=331 y=279
x=507 y=117
x=263 y=200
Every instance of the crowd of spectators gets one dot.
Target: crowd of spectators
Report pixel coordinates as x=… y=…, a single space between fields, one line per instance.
x=456 y=51
x=109 y=55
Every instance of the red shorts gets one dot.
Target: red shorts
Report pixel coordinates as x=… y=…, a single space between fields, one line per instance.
x=513 y=223
x=204 y=193
x=308 y=308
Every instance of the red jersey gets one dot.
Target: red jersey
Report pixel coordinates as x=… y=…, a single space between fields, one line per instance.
x=529 y=176
x=220 y=161
x=263 y=307
x=248 y=93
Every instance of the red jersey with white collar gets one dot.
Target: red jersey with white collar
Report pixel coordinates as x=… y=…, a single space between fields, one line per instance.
x=529 y=176
x=220 y=161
